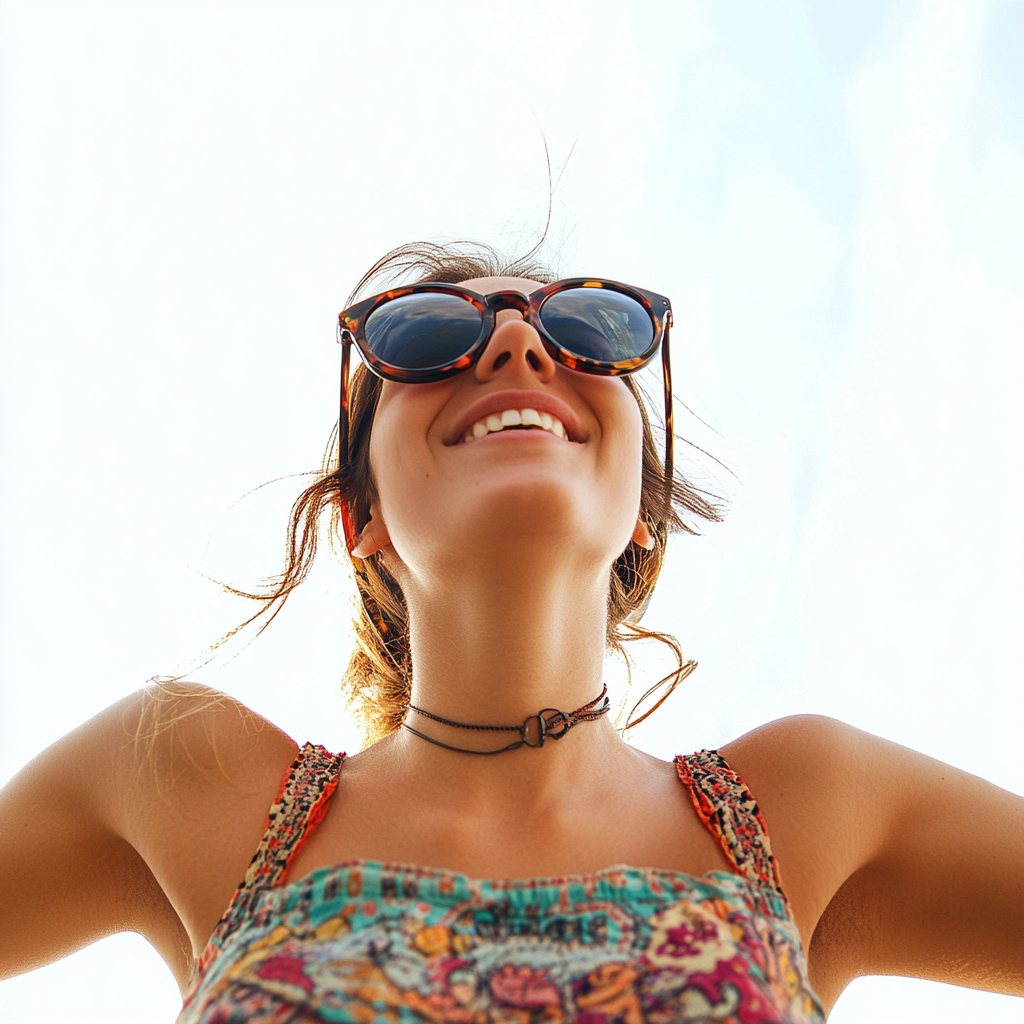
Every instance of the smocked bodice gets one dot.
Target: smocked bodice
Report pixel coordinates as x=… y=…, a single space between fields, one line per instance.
x=370 y=942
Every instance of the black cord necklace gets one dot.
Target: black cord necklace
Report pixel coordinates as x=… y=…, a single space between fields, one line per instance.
x=548 y=723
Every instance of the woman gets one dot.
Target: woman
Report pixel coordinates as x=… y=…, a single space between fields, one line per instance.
x=506 y=512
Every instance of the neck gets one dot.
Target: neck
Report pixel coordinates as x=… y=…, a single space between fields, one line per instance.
x=495 y=647
x=500 y=646
x=547 y=725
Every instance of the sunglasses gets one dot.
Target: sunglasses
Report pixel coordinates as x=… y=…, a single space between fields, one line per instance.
x=429 y=332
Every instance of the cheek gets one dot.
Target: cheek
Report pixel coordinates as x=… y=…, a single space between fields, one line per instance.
x=614 y=502
x=385 y=450
x=398 y=452
x=622 y=447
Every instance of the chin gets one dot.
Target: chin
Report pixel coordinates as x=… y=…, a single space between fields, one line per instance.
x=539 y=512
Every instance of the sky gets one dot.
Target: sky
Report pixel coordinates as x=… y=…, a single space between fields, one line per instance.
x=828 y=191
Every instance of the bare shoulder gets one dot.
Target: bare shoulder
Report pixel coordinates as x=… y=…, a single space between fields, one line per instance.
x=893 y=861
x=818 y=768
x=829 y=794
x=800 y=743
x=143 y=818
x=202 y=770
x=188 y=735
x=170 y=743
x=819 y=777
x=168 y=719
x=167 y=740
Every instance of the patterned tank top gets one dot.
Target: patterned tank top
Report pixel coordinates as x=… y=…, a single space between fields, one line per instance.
x=366 y=942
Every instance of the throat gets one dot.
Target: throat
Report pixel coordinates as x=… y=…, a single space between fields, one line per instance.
x=495 y=649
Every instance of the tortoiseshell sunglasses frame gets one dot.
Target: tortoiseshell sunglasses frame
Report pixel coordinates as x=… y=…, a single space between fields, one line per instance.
x=352 y=323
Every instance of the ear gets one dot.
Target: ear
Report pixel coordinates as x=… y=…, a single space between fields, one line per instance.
x=643 y=536
x=373 y=537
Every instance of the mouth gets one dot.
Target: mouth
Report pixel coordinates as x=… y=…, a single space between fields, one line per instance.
x=514 y=419
x=516 y=410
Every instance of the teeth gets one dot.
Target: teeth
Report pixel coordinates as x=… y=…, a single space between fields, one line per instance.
x=515 y=418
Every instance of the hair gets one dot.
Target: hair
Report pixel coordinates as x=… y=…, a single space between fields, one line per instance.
x=378 y=679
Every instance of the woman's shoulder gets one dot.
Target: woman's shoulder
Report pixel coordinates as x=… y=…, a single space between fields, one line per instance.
x=811 y=758
x=171 y=740
x=818 y=768
x=889 y=857
x=191 y=732
x=186 y=775
x=820 y=771
x=158 y=802
x=207 y=769
x=169 y=737
x=813 y=733
x=820 y=786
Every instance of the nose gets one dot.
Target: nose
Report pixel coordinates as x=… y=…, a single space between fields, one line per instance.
x=516 y=349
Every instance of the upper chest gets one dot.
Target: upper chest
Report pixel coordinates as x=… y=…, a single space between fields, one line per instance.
x=646 y=821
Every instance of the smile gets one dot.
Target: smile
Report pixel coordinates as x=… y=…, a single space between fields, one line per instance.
x=514 y=419
x=522 y=409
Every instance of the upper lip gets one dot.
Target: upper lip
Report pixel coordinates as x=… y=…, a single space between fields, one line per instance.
x=499 y=401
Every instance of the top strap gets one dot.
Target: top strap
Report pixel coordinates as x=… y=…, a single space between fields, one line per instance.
x=731 y=815
x=301 y=803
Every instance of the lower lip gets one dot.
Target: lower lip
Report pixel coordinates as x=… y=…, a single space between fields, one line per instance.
x=505 y=435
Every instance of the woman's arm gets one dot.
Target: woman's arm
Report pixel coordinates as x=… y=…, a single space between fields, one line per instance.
x=894 y=863
x=143 y=819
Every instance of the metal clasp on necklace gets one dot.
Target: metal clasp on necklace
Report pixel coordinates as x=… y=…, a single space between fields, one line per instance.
x=553 y=728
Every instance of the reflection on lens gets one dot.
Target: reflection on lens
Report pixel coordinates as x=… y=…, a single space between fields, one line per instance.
x=598 y=323
x=422 y=330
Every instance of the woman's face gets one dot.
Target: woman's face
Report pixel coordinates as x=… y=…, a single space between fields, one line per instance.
x=453 y=489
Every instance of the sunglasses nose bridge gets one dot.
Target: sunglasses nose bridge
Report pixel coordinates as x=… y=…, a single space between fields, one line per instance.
x=520 y=342
x=508 y=300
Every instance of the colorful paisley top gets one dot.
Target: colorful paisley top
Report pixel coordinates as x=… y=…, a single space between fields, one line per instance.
x=367 y=942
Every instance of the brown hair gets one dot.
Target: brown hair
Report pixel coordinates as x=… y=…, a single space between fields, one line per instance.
x=379 y=675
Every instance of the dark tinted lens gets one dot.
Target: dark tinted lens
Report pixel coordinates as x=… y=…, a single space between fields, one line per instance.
x=422 y=330
x=597 y=323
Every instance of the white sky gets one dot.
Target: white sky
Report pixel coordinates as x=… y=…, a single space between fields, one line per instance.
x=830 y=193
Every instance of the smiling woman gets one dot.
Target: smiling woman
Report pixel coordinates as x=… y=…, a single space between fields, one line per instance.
x=506 y=511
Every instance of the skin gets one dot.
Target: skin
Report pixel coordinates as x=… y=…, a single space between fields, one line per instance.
x=146 y=817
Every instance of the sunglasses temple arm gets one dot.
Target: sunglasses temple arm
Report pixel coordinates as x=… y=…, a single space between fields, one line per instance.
x=346 y=515
x=666 y=365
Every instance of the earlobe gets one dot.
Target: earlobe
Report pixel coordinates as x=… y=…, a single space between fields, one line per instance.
x=373 y=537
x=643 y=536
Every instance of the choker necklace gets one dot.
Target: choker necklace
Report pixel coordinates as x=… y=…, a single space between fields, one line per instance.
x=548 y=723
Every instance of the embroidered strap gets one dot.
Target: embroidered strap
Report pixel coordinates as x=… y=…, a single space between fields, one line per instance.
x=301 y=803
x=731 y=815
